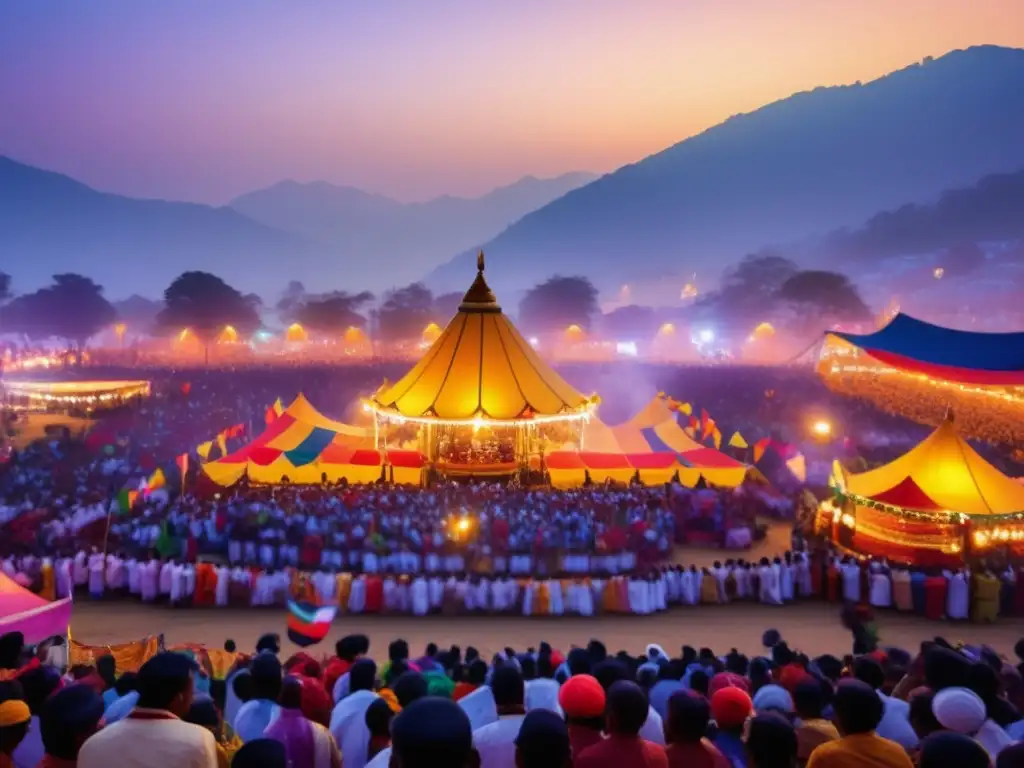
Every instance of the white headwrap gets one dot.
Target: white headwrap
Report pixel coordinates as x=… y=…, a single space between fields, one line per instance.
x=959 y=709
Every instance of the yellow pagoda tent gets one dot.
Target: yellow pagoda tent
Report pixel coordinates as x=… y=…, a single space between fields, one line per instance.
x=480 y=369
x=927 y=501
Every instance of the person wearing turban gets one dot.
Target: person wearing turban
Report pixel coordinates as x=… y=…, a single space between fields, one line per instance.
x=14 y=720
x=730 y=708
x=582 y=699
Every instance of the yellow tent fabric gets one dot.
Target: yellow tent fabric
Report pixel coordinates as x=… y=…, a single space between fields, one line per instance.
x=480 y=366
x=304 y=412
x=598 y=437
x=949 y=472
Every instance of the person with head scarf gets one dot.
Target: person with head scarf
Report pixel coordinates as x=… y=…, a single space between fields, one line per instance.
x=730 y=708
x=306 y=743
x=542 y=741
x=582 y=699
x=67 y=719
x=153 y=735
x=952 y=749
x=348 y=720
x=858 y=712
x=812 y=729
x=961 y=710
x=686 y=728
x=626 y=712
x=431 y=733
x=15 y=717
x=773 y=698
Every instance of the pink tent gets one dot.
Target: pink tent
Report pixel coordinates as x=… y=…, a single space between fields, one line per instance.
x=25 y=612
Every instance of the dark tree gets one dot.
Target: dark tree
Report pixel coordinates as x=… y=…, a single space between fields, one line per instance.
x=334 y=312
x=292 y=298
x=5 y=287
x=557 y=303
x=138 y=313
x=405 y=313
x=748 y=294
x=824 y=298
x=445 y=307
x=73 y=308
x=633 y=322
x=205 y=304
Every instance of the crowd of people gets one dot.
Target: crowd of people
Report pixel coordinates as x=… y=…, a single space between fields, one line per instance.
x=583 y=707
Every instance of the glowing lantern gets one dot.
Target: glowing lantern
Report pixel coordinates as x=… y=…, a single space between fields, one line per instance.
x=938 y=273
x=689 y=292
x=353 y=335
x=296 y=332
x=227 y=336
x=574 y=332
x=667 y=329
x=821 y=428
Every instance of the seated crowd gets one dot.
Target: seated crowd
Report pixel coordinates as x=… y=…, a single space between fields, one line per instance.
x=942 y=707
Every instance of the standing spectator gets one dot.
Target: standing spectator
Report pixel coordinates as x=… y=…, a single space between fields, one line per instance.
x=543 y=742
x=686 y=733
x=813 y=729
x=348 y=720
x=256 y=714
x=730 y=708
x=858 y=711
x=895 y=724
x=582 y=700
x=378 y=719
x=952 y=749
x=306 y=743
x=67 y=719
x=261 y=753
x=153 y=735
x=432 y=733
x=496 y=742
x=771 y=742
x=14 y=721
x=38 y=684
x=626 y=714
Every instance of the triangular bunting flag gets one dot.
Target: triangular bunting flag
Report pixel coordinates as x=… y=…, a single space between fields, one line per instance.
x=278 y=407
x=737 y=441
x=270 y=415
x=222 y=443
x=760 y=447
x=156 y=481
x=182 y=462
x=798 y=466
x=709 y=429
x=716 y=435
x=203 y=449
x=686 y=408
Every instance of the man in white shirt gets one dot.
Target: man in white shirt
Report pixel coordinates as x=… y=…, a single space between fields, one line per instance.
x=348 y=720
x=496 y=742
x=153 y=735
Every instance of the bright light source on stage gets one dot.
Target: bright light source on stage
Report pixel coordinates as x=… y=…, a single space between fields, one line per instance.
x=938 y=273
x=667 y=329
x=477 y=423
x=821 y=428
x=463 y=525
x=534 y=342
x=705 y=336
x=366 y=408
x=626 y=348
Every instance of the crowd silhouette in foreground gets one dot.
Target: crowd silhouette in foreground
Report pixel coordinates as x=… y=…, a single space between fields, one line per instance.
x=540 y=708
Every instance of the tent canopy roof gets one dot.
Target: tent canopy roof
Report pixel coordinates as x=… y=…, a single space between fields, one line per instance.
x=942 y=472
x=480 y=367
x=967 y=356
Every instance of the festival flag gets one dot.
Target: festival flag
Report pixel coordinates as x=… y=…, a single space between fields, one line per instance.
x=760 y=447
x=222 y=443
x=156 y=481
x=709 y=428
x=798 y=466
x=182 y=462
x=686 y=408
x=126 y=500
x=308 y=624
x=737 y=441
x=166 y=544
x=203 y=449
x=270 y=415
x=278 y=407
x=716 y=436
x=236 y=430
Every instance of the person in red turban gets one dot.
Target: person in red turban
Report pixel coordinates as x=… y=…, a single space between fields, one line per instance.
x=730 y=707
x=582 y=699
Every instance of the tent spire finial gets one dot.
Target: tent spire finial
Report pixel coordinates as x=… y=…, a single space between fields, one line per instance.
x=480 y=262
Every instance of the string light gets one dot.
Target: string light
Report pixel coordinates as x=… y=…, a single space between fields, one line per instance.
x=478 y=421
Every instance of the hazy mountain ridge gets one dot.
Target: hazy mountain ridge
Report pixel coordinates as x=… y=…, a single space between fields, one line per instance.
x=801 y=166
x=407 y=238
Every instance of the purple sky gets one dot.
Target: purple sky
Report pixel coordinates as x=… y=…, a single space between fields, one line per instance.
x=201 y=100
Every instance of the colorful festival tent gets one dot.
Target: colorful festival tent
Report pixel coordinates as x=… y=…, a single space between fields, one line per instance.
x=967 y=357
x=927 y=501
x=302 y=446
x=26 y=612
x=652 y=444
x=480 y=367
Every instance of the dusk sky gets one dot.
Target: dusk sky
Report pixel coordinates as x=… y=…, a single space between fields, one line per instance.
x=199 y=100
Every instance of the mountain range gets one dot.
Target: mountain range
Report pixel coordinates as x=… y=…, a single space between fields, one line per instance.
x=404 y=239
x=789 y=172
x=802 y=166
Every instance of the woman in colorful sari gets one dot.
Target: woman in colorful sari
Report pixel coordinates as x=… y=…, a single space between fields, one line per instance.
x=306 y=743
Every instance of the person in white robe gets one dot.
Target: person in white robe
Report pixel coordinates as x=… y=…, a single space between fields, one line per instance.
x=557 y=598
x=149 y=580
x=803 y=575
x=529 y=593
x=851 y=580
x=134 y=568
x=165 y=578
x=786 y=578
x=188 y=582
x=479 y=707
x=958 y=597
x=97 y=576
x=222 y=591
x=686 y=593
x=436 y=592
x=357 y=595
x=177 y=584
x=80 y=570
x=542 y=693
x=881 y=586
x=348 y=726
x=420 y=596
x=768 y=576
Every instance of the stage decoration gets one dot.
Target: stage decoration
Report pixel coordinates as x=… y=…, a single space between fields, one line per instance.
x=84 y=395
x=935 y=505
x=480 y=397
